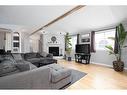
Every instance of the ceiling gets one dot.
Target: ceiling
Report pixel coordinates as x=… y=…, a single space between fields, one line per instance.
x=89 y=18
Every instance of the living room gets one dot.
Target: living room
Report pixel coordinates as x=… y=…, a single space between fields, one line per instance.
x=63 y=47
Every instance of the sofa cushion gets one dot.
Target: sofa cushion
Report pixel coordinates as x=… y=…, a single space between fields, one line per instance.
x=32 y=66
x=50 y=55
x=34 y=60
x=58 y=72
x=44 y=54
x=47 y=60
x=9 y=57
x=1 y=58
x=17 y=56
x=25 y=65
x=7 y=67
x=30 y=55
x=38 y=55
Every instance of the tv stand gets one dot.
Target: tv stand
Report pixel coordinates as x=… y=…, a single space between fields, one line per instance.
x=82 y=56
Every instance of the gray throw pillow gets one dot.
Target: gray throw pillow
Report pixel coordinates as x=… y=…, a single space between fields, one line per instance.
x=1 y=58
x=44 y=54
x=17 y=56
x=7 y=67
x=29 y=55
x=23 y=67
x=9 y=57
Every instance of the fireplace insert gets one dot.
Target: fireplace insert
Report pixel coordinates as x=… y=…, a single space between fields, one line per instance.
x=54 y=51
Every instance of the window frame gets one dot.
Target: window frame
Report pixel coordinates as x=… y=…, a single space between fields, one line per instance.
x=104 y=34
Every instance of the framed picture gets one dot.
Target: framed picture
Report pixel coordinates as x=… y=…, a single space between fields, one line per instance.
x=85 y=35
x=83 y=40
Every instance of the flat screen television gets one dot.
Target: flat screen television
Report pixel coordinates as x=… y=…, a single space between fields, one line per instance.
x=83 y=48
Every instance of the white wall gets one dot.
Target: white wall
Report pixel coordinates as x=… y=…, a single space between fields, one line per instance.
x=34 y=43
x=102 y=57
x=8 y=42
x=25 y=42
x=124 y=54
x=2 y=41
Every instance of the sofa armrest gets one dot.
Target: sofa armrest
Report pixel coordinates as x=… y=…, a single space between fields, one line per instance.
x=34 y=79
x=50 y=55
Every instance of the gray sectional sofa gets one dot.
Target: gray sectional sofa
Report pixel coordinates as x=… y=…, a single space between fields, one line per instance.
x=16 y=73
x=39 y=59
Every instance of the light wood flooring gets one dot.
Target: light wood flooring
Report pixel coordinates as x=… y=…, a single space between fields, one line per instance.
x=98 y=77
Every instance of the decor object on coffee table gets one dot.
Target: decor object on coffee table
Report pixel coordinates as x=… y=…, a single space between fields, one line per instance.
x=121 y=34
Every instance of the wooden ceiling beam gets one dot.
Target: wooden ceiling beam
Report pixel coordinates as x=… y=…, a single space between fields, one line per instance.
x=59 y=18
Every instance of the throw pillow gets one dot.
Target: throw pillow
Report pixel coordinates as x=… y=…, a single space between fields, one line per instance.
x=23 y=67
x=30 y=55
x=17 y=56
x=9 y=57
x=1 y=58
x=44 y=54
x=7 y=67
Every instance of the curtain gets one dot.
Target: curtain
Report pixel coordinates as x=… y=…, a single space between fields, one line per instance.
x=65 y=43
x=78 y=38
x=116 y=46
x=92 y=41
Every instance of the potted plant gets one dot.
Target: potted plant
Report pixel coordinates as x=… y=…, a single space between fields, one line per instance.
x=118 y=65
x=68 y=46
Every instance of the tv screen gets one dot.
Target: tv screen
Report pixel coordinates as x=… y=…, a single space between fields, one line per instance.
x=83 y=48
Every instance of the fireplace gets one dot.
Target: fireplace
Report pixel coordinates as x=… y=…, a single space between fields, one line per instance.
x=54 y=51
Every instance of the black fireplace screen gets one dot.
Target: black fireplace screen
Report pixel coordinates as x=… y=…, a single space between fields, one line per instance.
x=54 y=51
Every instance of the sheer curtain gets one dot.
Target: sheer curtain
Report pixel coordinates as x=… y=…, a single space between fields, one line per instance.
x=74 y=42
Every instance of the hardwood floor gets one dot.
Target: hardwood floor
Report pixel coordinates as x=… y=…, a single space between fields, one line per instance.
x=98 y=77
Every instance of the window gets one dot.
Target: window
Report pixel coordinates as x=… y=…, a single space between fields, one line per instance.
x=15 y=44
x=101 y=39
x=74 y=42
x=16 y=38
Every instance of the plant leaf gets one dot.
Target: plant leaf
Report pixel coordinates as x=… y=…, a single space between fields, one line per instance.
x=109 y=47
x=112 y=38
x=110 y=52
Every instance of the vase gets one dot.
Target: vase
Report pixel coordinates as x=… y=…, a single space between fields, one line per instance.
x=69 y=58
x=118 y=66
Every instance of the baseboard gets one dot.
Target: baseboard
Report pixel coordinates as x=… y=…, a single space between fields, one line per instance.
x=104 y=64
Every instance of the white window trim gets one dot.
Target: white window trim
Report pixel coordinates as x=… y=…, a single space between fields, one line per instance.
x=97 y=49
